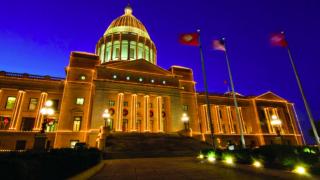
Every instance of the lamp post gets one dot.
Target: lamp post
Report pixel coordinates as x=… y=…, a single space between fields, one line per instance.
x=106 y=116
x=41 y=138
x=46 y=111
x=185 y=120
x=276 y=122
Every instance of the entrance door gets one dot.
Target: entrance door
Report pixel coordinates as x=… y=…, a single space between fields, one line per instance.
x=21 y=145
x=125 y=125
x=138 y=125
x=27 y=124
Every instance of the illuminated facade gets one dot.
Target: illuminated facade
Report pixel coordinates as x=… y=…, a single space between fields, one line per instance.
x=123 y=77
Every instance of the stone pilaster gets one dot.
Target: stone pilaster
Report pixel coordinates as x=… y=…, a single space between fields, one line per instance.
x=133 y=112
x=146 y=113
x=39 y=117
x=17 y=110
x=118 y=120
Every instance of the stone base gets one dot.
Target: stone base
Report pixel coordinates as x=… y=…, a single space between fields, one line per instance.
x=40 y=140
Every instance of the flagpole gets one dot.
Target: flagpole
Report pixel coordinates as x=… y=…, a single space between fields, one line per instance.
x=311 y=119
x=243 y=144
x=206 y=91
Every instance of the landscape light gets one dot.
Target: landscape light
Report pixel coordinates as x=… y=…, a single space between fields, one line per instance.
x=228 y=160
x=257 y=164
x=201 y=156
x=300 y=170
x=211 y=157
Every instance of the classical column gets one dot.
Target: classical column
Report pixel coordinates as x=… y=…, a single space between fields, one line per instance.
x=39 y=117
x=158 y=114
x=17 y=110
x=230 y=120
x=258 y=129
x=133 y=112
x=242 y=120
x=146 y=113
x=118 y=122
x=217 y=110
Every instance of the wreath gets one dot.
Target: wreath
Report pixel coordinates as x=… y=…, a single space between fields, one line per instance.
x=163 y=114
x=111 y=111
x=125 y=112
x=151 y=113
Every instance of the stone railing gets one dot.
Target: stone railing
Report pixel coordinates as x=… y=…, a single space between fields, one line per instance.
x=29 y=76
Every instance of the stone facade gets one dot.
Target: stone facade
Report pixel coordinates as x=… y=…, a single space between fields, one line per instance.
x=140 y=96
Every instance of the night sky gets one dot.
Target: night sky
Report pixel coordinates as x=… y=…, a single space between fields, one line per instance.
x=37 y=37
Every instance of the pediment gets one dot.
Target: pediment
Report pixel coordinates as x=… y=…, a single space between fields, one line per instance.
x=141 y=66
x=270 y=96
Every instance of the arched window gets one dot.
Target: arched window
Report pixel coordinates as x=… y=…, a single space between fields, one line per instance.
x=140 y=50
x=133 y=49
x=116 y=50
x=102 y=53
x=124 y=50
x=147 y=53
x=108 y=51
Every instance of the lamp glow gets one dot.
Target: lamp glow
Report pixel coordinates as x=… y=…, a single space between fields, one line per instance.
x=48 y=103
x=300 y=170
x=211 y=157
x=257 y=164
x=228 y=160
x=201 y=156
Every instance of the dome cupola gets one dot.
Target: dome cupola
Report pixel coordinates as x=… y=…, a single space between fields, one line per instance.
x=126 y=39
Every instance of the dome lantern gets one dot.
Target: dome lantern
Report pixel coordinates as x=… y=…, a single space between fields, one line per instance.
x=126 y=38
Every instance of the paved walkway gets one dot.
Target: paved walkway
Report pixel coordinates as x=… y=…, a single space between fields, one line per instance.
x=177 y=168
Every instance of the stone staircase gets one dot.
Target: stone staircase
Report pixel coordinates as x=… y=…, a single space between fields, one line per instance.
x=137 y=145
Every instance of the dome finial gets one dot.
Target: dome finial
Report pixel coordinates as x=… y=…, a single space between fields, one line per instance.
x=128 y=9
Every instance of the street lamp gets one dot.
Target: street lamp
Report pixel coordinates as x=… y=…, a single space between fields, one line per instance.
x=185 y=120
x=276 y=122
x=106 y=116
x=46 y=111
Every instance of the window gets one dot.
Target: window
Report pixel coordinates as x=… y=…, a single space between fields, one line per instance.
x=133 y=48
x=124 y=50
x=55 y=104
x=140 y=79
x=185 y=107
x=4 y=122
x=76 y=123
x=111 y=103
x=73 y=143
x=140 y=50
x=33 y=104
x=163 y=82
x=125 y=103
x=147 y=53
x=51 y=125
x=102 y=53
x=151 y=56
x=10 y=102
x=27 y=124
x=116 y=50
x=114 y=76
x=82 y=77
x=80 y=101
x=108 y=51
x=152 y=80
x=128 y=78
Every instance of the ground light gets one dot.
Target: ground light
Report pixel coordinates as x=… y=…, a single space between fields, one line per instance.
x=201 y=156
x=300 y=170
x=257 y=164
x=211 y=157
x=228 y=160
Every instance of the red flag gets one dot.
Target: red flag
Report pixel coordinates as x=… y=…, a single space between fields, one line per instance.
x=190 y=39
x=219 y=45
x=278 y=39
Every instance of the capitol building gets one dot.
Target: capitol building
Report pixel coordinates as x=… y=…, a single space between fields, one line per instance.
x=123 y=79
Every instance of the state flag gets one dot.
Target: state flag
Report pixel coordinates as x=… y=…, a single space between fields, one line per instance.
x=189 y=39
x=278 y=39
x=219 y=45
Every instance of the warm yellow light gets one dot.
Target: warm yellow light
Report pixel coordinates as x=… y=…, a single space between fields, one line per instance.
x=50 y=111
x=201 y=156
x=228 y=160
x=48 y=103
x=257 y=164
x=211 y=159
x=300 y=170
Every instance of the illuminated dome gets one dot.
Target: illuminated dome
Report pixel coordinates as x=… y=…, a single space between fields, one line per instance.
x=126 y=39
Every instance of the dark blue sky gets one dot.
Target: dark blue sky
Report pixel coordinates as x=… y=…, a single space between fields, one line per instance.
x=38 y=36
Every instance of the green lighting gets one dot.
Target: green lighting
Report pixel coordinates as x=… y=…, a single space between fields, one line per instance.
x=211 y=156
